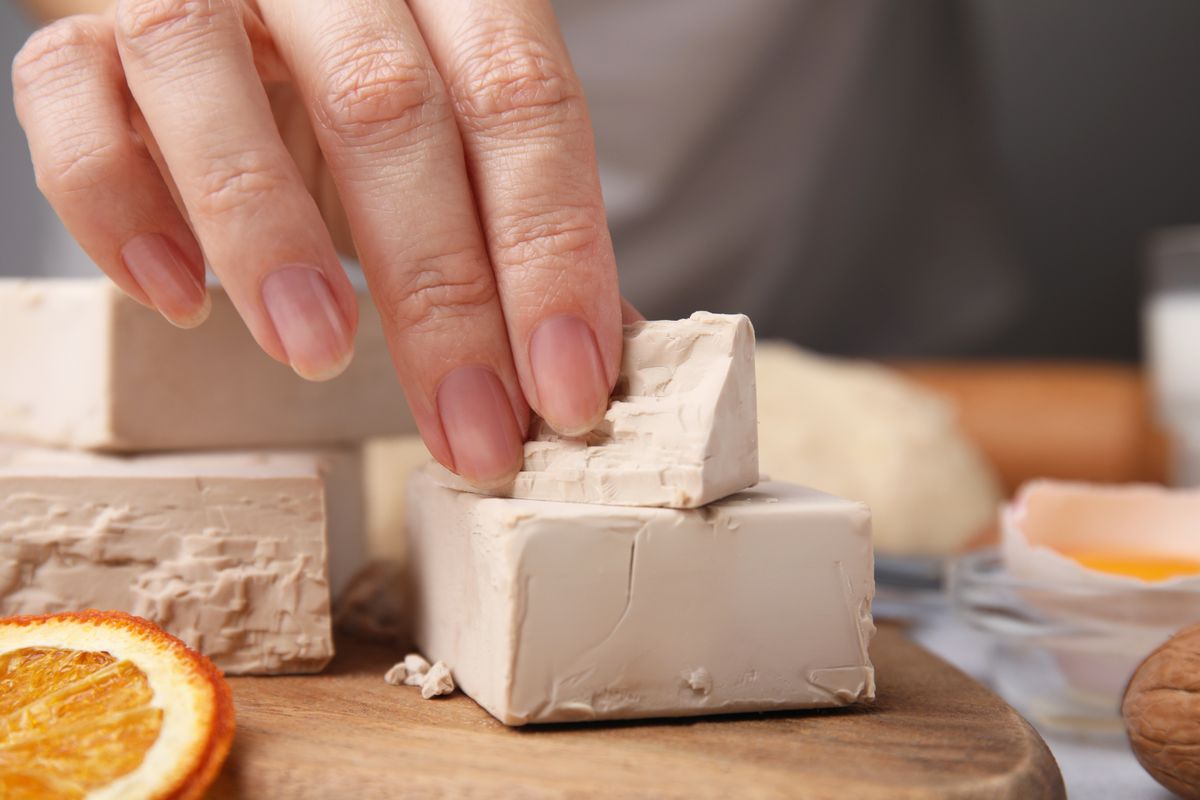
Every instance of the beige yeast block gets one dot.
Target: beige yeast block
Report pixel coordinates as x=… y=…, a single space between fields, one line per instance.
x=552 y=612
x=681 y=430
x=387 y=464
x=225 y=550
x=86 y=367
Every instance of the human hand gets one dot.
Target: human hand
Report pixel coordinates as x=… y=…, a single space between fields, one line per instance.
x=453 y=133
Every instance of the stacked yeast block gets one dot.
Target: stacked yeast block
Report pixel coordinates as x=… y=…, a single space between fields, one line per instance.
x=234 y=551
x=635 y=603
x=681 y=430
x=84 y=366
x=225 y=550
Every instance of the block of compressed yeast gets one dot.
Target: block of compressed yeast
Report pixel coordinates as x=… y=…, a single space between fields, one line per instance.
x=555 y=612
x=387 y=465
x=84 y=366
x=681 y=430
x=225 y=550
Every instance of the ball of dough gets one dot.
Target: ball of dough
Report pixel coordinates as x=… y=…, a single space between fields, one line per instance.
x=861 y=431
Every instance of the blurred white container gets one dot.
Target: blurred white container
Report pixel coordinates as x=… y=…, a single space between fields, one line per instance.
x=1171 y=318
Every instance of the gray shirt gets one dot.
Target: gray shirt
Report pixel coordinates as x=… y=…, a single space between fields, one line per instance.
x=816 y=165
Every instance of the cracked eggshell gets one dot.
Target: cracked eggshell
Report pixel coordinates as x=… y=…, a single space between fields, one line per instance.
x=1118 y=618
x=1050 y=519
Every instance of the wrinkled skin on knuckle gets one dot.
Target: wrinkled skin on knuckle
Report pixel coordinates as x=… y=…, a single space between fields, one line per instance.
x=372 y=83
x=80 y=163
x=56 y=52
x=231 y=183
x=432 y=295
x=506 y=80
x=545 y=239
x=51 y=68
x=152 y=27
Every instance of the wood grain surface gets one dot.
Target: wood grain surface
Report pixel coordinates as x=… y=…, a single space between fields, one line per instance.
x=933 y=733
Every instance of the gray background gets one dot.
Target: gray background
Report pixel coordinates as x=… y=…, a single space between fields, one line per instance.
x=27 y=226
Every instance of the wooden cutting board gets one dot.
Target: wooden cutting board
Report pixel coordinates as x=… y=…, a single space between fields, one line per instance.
x=933 y=733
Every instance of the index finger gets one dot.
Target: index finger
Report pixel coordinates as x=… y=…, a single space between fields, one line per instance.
x=531 y=156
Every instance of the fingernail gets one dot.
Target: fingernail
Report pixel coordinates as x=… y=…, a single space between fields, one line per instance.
x=480 y=426
x=308 y=321
x=162 y=271
x=568 y=374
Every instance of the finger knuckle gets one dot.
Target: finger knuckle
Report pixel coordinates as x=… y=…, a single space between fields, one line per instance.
x=506 y=79
x=63 y=46
x=370 y=83
x=80 y=163
x=440 y=290
x=545 y=238
x=146 y=25
x=233 y=183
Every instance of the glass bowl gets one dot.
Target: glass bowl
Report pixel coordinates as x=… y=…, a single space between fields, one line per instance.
x=1063 y=653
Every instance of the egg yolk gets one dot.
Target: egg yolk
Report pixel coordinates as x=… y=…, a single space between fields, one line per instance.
x=1146 y=568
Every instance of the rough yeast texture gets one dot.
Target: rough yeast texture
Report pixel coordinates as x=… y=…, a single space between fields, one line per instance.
x=84 y=366
x=681 y=430
x=226 y=551
x=551 y=612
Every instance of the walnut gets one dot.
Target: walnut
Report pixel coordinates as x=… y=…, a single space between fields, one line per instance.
x=1161 y=708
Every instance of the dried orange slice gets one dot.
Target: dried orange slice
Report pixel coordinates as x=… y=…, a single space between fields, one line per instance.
x=101 y=704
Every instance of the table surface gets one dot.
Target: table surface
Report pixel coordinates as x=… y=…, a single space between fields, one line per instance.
x=1097 y=769
x=932 y=734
